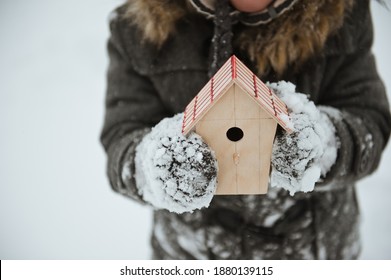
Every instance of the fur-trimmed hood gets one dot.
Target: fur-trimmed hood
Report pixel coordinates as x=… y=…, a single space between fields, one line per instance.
x=289 y=39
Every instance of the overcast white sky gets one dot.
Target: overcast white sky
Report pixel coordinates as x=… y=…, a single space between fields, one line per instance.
x=55 y=201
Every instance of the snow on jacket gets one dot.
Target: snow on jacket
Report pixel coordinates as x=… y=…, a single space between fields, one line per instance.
x=159 y=61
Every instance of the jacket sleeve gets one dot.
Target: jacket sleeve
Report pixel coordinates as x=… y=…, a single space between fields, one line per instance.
x=132 y=106
x=362 y=118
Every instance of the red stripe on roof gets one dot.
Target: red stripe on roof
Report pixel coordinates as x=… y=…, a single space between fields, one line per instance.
x=195 y=107
x=184 y=121
x=233 y=66
x=211 y=89
x=274 y=107
x=255 y=86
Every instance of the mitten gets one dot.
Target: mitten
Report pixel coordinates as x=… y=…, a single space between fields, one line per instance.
x=300 y=159
x=175 y=172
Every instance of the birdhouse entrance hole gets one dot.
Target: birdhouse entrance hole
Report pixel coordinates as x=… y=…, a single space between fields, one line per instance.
x=234 y=134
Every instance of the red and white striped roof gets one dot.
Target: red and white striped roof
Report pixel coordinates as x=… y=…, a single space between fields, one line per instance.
x=234 y=71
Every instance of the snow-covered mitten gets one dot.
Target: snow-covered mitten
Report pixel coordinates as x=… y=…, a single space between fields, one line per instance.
x=175 y=172
x=299 y=159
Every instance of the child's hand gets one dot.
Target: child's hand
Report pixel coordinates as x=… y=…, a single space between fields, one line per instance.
x=175 y=172
x=300 y=158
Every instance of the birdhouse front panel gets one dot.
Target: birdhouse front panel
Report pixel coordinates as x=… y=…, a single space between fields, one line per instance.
x=234 y=129
x=237 y=116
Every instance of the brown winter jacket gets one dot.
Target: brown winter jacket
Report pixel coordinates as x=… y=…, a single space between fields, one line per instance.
x=159 y=61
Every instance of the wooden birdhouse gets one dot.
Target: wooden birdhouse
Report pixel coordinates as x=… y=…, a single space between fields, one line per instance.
x=237 y=115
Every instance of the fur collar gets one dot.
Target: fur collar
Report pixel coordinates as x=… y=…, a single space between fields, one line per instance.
x=288 y=40
x=155 y=18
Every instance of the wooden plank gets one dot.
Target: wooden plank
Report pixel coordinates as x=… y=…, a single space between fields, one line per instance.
x=214 y=134
x=245 y=105
x=268 y=130
x=223 y=108
x=249 y=101
x=248 y=175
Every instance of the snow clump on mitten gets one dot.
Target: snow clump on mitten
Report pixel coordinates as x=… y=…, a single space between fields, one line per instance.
x=175 y=172
x=300 y=158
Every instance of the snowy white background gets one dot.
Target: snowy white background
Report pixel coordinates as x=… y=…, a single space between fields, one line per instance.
x=55 y=201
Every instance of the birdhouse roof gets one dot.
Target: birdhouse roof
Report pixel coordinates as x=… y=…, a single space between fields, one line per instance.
x=234 y=71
